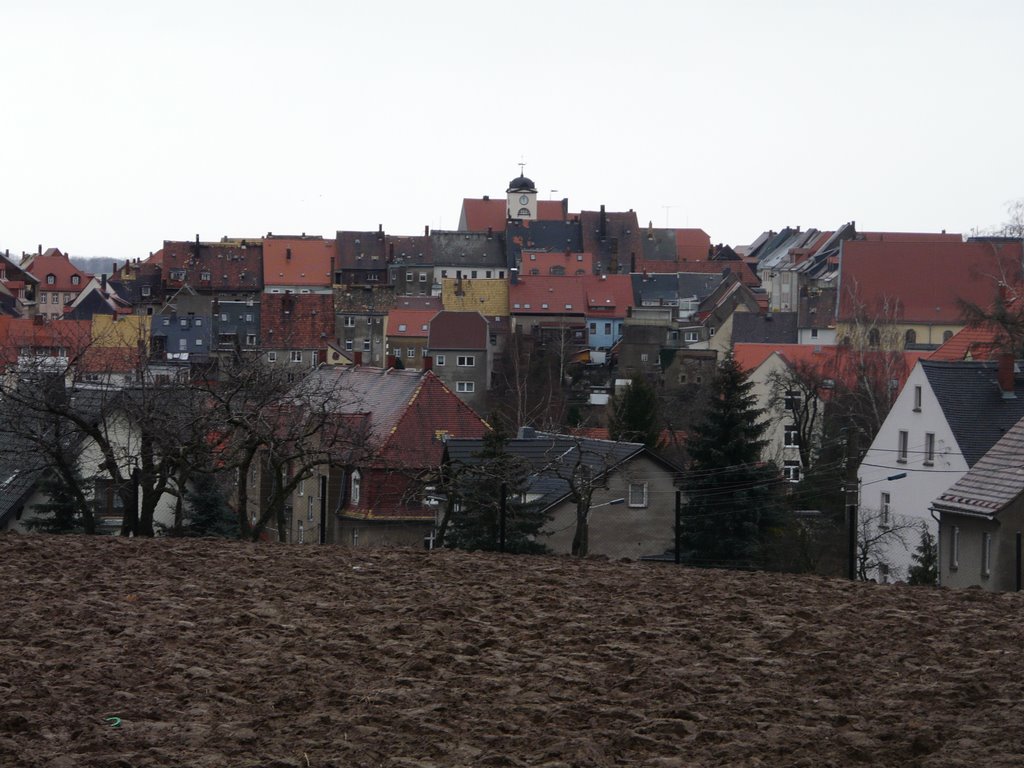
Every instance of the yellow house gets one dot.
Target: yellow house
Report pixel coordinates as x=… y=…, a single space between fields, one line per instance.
x=121 y=331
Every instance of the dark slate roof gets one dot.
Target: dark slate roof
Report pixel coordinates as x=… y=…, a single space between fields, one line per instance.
x=232 y=265
x=819 y=310
x=770 y=328
x=521 y=184
x=660 y=245
x=976 y=410
x=552 y=458
x=620 y=241
x=696 y=284
x=468 y=249
x=17 y=477
x=130 y=279
x=552 y=236
x=362 y=250
x=655 y=289
x=410 y=249
x=993 y=482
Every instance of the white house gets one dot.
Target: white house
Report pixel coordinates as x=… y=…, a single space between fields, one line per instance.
x=945 y=419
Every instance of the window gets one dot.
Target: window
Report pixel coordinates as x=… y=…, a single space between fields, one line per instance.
x=439 y=360
x=408 y=277
x=814 y=333
x=51 y=279
x=929 y=449
x=466 y=361
x=901 y=448
x=250 y=340
x=369 y=321
x=792 y=400
x=986 y=554
x=350 y=321
x=272 y=357
x=302 y=534
x=791 y=436
x=954 y=548
x=366 y=345
x=199 y=342
x=608 y=329
x=874 y=337
x=885 y=509
x=473 y=274
x=248 y=317
x=42 y=297
x=348 y=345
x=465 y=386
x=638 y=494
x=309 y=507
x=423 y=277
x=356 y=480
x=946 y=336
x=909 y=338
x=401 y=326
x=183 y=322
x=223 y=317
x=204 y=276
x=198 y=321
x=182 y=345
x=917 y=399
x=444 y=273
x=296 y=356
x=691 y=336
x=397 y=351
x=643 y=357
x=593 y=327
x=711 y=330
x=791 y=471
x=410 y=352
x=75 y=279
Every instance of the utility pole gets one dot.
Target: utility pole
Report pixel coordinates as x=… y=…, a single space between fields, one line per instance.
x=852 y=492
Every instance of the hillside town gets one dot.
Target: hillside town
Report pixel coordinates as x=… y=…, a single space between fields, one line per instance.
x=539 y=379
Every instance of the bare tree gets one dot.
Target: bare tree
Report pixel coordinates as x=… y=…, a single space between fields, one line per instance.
x=877 y=534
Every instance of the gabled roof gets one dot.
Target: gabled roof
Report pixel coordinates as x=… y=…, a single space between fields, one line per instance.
x=362 y=250
x=547 y=295
x=552 y=459
x=545 y=261
x=722 y=269
x=921 y=282
x=818 y=310
x=611 y=236
x=458 y=331
x=608 y=295
x=18 y=333
x=468 y=249
x=410 y=323
x=655 y=288
x=995 y=480
x=138 y=283
x=55 y=263
x=97 y=298
x=769 y=328
x=972 y=342
x=230 y=265
x=298 y=261
x=973 y=404
x=419 y=302
x=296 y=320
x=480 y=213
x=410 y=249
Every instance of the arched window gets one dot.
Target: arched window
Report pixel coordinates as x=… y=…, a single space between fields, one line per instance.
x=874 y=338
x=946 y=336
x=356 y=483
x=910 y=338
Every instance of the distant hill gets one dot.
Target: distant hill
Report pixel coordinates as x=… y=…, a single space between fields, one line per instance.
x=96 y=265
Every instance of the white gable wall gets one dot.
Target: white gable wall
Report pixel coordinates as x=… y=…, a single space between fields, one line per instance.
x=909 y=497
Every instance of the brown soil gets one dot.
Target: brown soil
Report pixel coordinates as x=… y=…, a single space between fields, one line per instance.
x=235 y=654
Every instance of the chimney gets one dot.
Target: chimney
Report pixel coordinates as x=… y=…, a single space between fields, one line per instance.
x=357 y=357
x=40 y=248
x=103 y=283
x=380 y=231
x=426 y=230
x=391 y=251
x=1005 y=376
x=602 y=226
x=428 y=363
x=487 y=197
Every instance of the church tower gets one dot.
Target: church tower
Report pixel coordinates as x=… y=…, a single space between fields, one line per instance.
x=522 y=198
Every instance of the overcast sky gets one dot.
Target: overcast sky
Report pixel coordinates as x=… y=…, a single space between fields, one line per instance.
x=127 y=123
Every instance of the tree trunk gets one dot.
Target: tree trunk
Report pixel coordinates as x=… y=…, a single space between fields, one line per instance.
x=581 y=539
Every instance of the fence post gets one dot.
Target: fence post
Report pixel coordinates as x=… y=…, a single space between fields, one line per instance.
x=679 y=525
x=501 y=518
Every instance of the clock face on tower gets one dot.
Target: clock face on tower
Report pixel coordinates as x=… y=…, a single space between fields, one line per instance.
x=523 y=199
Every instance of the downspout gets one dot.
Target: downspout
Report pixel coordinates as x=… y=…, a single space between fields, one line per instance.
x=938 y=546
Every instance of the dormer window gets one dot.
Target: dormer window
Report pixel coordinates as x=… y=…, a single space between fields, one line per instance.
x=204 y=275
x=356 y=482
x=75 y=279
x=51 y=279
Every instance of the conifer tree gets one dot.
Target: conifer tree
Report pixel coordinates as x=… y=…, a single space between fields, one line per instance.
x=733 y=497
x=925 y=570
x=61 y=511
x=634 y=414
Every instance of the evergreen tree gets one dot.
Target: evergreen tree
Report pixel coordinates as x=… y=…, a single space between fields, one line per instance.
x=210 y=514
x=925 y=570
x=476 y=525
x=734 y=504
x=634 y=414
x=60 y=512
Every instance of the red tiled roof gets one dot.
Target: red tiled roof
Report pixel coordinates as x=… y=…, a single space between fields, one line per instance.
x=547 y=295
x=921 y=282
x=419 y=302
x=912 y=237
x=480 y=214
x=296 y=320
x=543 y=261
x=458 y=330
x=299 y=261
x=970 y=343
x=17 y=333
x=692 y=244
x=233 y=265
x=110 y=360
x=410 y=323
x=53 y=262
x=609 y=292
x=834 y=361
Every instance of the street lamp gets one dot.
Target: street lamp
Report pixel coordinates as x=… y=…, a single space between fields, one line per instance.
x=608 y=503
